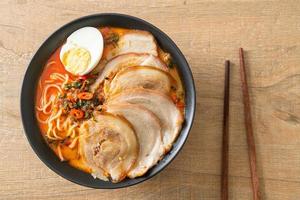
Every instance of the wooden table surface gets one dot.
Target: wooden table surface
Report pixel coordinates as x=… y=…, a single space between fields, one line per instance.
x=207 y=32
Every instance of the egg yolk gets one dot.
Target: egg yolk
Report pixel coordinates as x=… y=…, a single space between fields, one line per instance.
x=76 y=60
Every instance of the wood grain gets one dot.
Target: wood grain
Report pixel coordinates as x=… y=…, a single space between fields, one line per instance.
x=207 y=32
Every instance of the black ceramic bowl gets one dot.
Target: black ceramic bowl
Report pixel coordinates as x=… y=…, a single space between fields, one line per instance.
x=36 y=66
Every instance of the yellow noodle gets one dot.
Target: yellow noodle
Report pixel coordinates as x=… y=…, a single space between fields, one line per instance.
x=55 y=134
x=51 y=118
x=50 y=102
x=59 y=153
x=66 y=123
x=49 y=128
x=57 y=76
x=74 y=142
x=52 y=137
x=38 y=108
x=66 y=79
x=46 y=90
x=50 y=63
x=55 y=121
x=58 y=125
x=71 y=129
x=49 y=131
x=73 y=133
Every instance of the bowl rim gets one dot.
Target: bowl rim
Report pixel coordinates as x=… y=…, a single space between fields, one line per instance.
x=192 y=111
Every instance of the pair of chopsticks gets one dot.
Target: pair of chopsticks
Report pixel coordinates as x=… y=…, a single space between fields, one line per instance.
x=249 y=131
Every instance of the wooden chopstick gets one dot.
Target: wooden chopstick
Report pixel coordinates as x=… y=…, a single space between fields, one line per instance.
x=249 y=129
x=224 y=183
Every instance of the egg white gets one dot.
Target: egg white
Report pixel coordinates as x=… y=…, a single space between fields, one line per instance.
x=88 y=38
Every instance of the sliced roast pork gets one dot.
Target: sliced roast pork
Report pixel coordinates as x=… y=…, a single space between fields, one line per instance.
x=109 y=146
x=161 y=105
x=135 y=41
x=148 y=130
x=124 y=61
x=140 y=77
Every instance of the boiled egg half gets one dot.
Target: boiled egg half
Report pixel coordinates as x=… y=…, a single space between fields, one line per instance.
x=82 y=51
